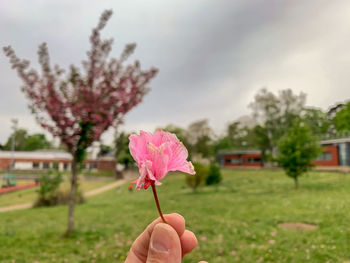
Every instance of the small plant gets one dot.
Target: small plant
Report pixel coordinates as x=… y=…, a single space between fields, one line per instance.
x=194 y=181
x=214 y=177
x=50 y=194
x=49 y=184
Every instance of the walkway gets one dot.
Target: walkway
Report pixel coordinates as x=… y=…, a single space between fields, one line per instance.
x=16 y=207
x=104 y=188
x=87 y=194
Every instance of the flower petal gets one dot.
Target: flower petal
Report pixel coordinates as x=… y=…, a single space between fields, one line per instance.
x=137 y=146
x=187 y=167
x=145 y=175
x=160 y=137
x=159 y=160
x=133 y=182
x=178 y=154
x=157 y=154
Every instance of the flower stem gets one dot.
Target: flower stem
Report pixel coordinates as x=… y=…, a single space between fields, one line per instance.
x=157 y=202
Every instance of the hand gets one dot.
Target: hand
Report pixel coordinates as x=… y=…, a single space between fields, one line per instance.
x=161 y=243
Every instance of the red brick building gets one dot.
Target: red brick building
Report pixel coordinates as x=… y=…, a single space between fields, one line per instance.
x=41 y=160
x=336 y=152
x=329 y=156
x=240 y=158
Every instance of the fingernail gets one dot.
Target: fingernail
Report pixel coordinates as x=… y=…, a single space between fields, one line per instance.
x=161 y=238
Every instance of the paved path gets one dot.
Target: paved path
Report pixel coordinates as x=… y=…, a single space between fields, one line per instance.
x=16 y=207
x=104 y=188
x=87 y=194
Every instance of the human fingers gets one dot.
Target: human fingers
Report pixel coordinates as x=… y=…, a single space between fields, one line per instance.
x=165 y=246
x=139 y=249
x=188 y=242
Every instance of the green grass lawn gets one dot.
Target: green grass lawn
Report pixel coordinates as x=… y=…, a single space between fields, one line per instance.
x=236 y=222
x=29 y=195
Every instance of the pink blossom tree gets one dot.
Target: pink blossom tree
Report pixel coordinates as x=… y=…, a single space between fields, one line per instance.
x=78 y=106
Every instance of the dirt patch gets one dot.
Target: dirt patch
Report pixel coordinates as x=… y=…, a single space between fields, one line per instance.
x=298 y=226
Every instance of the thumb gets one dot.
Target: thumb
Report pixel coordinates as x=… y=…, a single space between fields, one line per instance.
x=164 y=245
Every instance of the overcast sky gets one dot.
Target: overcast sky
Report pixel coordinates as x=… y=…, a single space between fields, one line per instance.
x=212 y=55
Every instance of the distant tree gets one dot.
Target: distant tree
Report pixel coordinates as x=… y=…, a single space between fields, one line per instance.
x=122 y=153
x=26 y=142
x=79 y=106
x=181 y=133
x=275 y=115
x=36 y=141
x=342 y=118
x=200 y=139
x=334 y=109
x=222 y=143
x=297 y=149
x=317 y=120
x=105 y=149
x=237 y=136
x=241 y=136
x=20 y=136
x=263 y=142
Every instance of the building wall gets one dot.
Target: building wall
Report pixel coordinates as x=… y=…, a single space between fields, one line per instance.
x=333 y=151
x=106 y=165
x=242 y=160
x=23 y=165
x=62 y=164
x=5 y=164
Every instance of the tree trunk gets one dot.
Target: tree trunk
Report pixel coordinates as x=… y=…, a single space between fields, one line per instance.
x=296 y=182
x=72 y=195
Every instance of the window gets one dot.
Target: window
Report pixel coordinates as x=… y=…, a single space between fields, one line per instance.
x=233 y=161
x=252 y=160
x=35 y=165
x=46 y=165
x=325 y=156
x=65 y=166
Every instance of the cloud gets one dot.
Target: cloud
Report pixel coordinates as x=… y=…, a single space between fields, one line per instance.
x=213 y=56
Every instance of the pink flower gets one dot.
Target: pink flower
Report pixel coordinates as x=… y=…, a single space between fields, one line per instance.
x=156 y=155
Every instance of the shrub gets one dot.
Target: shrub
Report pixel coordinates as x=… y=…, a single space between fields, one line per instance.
x=49 y=193
x=49 y=184
x=214 y=177
x=194 y=181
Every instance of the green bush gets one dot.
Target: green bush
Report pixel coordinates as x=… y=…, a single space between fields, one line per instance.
x=194 y=181
x=49 y=193
x=214 y=177
x=49 y=183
